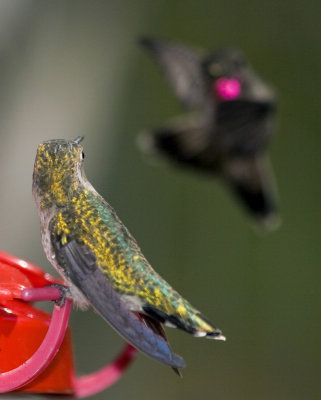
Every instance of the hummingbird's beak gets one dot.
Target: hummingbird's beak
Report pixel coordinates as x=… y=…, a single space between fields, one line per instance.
x=78 y=139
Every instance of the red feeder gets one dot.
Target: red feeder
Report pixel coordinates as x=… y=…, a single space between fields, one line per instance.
x=35 y=347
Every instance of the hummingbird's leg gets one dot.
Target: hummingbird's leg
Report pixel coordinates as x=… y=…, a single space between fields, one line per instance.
x=64 y=293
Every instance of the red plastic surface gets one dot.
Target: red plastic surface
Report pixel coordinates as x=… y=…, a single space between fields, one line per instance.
x=21 y=334
x=22 y=274
x=23 y=328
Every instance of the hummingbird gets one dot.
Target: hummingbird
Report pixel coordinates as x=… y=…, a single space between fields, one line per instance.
x=228 y=124
x=101 y=262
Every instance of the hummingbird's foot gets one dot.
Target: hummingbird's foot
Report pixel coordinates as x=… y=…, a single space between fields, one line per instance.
x=64 y=293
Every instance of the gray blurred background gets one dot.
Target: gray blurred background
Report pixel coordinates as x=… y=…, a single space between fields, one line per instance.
x=70 y=68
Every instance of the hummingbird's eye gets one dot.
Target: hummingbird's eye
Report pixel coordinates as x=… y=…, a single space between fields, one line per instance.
x=82 y=155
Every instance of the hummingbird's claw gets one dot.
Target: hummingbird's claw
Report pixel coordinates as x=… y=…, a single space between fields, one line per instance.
x=64 y=293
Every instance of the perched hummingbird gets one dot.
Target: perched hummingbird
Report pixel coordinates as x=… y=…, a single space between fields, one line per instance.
x=229 y=124
x=99 y=259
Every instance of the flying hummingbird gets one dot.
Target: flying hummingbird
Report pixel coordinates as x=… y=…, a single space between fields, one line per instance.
x=99 y=259
x=228 y=126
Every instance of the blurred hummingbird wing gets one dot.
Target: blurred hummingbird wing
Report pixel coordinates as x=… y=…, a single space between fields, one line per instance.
x=182 y=69
x=183 y=140
x=252 y=182
x=82 y=270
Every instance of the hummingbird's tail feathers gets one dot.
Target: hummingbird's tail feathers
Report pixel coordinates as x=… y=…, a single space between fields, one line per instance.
x=214 y=333
x=86 y=275
x=252 y=182
x=182 y=68
x=197 y=324
x=216 y=336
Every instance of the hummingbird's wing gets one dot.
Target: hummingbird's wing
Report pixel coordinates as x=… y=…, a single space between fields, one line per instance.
x=183 y=70
x=184 y=140
x=80 y=266
x=157 y=327
x=252 y=182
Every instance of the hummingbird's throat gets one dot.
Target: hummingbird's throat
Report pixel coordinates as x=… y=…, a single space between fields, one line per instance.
x=227 y=88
